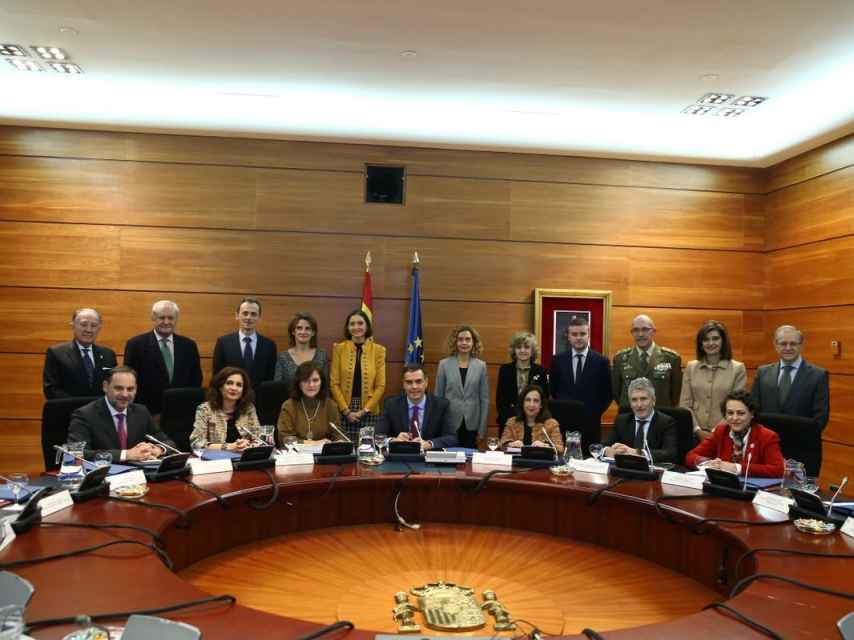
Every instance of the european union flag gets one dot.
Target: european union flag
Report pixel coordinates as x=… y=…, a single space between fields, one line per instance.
x=414 y=342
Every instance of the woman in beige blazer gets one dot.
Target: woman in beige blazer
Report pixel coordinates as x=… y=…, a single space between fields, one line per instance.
x=709 y=378
x=357 y=375
x=228 y=419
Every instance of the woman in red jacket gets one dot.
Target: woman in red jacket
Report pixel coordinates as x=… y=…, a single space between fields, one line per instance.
x=738 y=437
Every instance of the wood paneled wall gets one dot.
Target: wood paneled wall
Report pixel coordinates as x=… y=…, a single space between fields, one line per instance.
x=118 y=220
x=810 y=276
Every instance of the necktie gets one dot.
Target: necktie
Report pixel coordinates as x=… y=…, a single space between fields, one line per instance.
x=644 y=358
x=639 y=438
x=413 y=422
x=785 y=384
x=122 y=431
x=578 y=365
x=167 y=357
x=88 y=366
x=247 y=353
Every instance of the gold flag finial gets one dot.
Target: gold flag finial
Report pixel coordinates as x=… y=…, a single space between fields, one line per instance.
x=368 y=261
x=415 y=258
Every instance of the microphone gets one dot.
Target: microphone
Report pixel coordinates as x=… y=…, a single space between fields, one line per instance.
x=838 y=491
x=417 y=429
x=647 y=451
x=252 y=439
x=747 y=466
x=162 y=444
x=546 y=434
x=340 y=433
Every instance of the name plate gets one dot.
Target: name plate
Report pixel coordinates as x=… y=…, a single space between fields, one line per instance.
x=682 y=480
x=590 y=466
x=288 y=459
x=9 y=535
x=201 y=467
x=136 y=476
x=848 y=527
x=70 y=469
x=56 y=502
x=493 y=459
x=773 y=501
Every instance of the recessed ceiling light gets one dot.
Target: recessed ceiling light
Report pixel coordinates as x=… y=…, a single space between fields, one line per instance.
x=729 y=112
x=409 y=53
x=697 y=109
x=13 y=50
x=49 y=53
x=69 y=31
x=709 y=77
x=66 y=67
x=716 y=98
x=749 y=101
x=24 y=65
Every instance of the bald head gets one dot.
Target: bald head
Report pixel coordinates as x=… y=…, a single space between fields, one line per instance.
x=643 y=331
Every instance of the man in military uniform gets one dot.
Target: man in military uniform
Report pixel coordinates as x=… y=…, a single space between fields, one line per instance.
x=646 y=359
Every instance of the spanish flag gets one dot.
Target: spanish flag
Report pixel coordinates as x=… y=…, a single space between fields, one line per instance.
x=367 y=296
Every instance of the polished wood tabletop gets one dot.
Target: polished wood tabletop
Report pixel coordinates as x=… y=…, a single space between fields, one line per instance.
x=690 y=535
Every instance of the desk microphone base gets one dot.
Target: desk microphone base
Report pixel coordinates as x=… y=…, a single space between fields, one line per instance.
x=634 y=474
x=796 y=512
x=728 y=492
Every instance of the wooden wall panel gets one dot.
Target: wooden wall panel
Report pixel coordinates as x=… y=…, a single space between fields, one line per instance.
x=810 y=211
x=820 y=326
x=142 y=147
x=22 y=449
x=824 y=159
x=840 y=429
x=813 y=275
x=836 y=463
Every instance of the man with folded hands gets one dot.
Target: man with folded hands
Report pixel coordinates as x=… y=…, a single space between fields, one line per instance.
x=644 y=428
x=115 y=424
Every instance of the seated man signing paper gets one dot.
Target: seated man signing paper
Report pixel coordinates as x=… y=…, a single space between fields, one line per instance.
x=115 y=424
x=418 y=415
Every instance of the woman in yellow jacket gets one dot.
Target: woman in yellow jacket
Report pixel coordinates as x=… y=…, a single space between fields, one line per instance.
x=357 y=375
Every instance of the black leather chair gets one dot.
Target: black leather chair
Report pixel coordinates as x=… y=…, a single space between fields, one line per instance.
x=571 y=416
x=800 y=438
x=685 y=440
x=269 y=396
x=179 y=411
x=56 y=416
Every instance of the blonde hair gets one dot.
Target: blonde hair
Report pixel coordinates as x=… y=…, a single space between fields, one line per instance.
x=477 y=345
x=524 y=337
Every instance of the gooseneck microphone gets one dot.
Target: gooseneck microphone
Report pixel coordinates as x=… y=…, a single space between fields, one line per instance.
x=340 y=433
x=546 y=434
x=162 y=444
x=747 y=466
x=838 y=491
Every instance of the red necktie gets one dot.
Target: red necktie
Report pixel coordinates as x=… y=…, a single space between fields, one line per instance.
x=413 y=423
x=122 y=430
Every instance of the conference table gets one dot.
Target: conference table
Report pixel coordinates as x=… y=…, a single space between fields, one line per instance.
x=688 y=535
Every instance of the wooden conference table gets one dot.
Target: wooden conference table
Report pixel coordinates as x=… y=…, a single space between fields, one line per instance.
x=625 y=518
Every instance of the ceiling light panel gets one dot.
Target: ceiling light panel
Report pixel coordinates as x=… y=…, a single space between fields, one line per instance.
x=749 y=101
x=24 y=65
x=66 y=67
x=49 y=53
x=729 y=112
x=716 y=98
x=13 y=50
x=698 y=109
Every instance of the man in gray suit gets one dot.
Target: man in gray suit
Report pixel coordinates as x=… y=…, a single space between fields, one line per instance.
x=792 y=386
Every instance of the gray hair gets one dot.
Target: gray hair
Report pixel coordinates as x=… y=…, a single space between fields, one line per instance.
x=163 y=303
x=77 y=312
x=524 y=337
x=789 y=327
x=642 y=384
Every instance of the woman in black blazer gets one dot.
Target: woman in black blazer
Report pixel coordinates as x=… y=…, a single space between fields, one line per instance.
x=515 y=375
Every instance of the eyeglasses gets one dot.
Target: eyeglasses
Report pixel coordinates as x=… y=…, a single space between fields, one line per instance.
x=642 y=329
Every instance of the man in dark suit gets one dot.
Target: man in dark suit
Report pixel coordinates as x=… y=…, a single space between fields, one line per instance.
x=792 y=385
x=246 y=348
x=76 y=368
x=582 y=374
x=418 y=415
x=162 y=359
x=113 y=423
x=643 y=425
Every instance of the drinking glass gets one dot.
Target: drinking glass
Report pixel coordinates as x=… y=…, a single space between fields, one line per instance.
x=381 y=441
x=596 y=450
x=267 y=434
x=492 y=444
x=11 y=622
x=573 y=446
x=103 y=459
x=290 y=443
x=17 y=484
x=794 y=475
